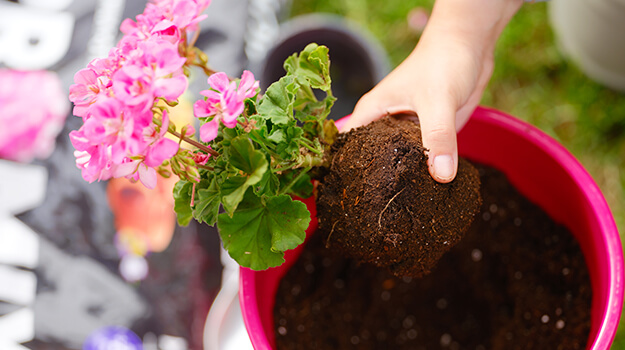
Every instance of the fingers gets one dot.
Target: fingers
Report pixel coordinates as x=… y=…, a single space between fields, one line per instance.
x=438 y=131
x=366 y=111
x=382 y=100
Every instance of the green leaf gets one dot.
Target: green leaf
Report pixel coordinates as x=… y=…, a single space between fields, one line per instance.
x=330 y=132
x=277 y=103
x=289 y=149
x=302 y=187
x=287 y=219
x=319 y=110
x=277 y=136
x=251 y=162
x=268 y=185
x=259 y=232
x=313 y=65
x=232 y=191
x=182 y=202
x=207 y=203
x=246 y=158
x=250 y=106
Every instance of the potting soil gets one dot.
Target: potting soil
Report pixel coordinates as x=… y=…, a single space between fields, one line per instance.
x=379 y=204
x=517 y=280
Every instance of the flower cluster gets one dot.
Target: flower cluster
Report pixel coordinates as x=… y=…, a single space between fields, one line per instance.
x=29 y=133
x=116 y=96
x=254 y=151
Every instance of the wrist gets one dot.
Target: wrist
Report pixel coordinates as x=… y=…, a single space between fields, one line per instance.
x=476 y=22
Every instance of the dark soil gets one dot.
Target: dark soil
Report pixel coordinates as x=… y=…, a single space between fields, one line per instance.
x=517 y=280
x=379 y=204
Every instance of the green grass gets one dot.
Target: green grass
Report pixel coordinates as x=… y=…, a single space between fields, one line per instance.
x=532 y=81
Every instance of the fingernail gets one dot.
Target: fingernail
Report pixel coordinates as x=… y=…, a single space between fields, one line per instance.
x=443 y=167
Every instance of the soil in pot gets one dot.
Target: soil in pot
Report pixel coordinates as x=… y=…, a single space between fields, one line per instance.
x=379 y=204
x=517 y=280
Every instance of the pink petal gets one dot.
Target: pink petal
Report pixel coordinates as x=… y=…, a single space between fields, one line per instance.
x=171 y=88
x=219 y=81
x=80 y=93
x=128 y=26
x=184 y=11
x=230 y=115
x=125 y=169
x=163 y=26
x=85 y=76
x=247 y=85
x=160 y=151
x=78 y=140
x=168 y=60
x=109 y=108
x=80 y=111
x=230 y=121
x=211 y=96
x=164 y=124
x=208 y=131
x=147 y=176
x=201 y=109
x=119 y=152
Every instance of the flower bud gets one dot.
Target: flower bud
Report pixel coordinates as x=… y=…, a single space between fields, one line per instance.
x=188 y=130
x=193 y=174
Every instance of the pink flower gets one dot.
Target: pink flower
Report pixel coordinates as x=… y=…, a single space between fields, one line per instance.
x=201 y=158
x=248 y=86
x=156 y=73
x=225 y=101
x=166 y=19
x=138 y=171
x=112 y=125
x=159 y=147
x=33 y=108
x=85 y=91
x=92 y=82
x=133 y=86
x=184 y=14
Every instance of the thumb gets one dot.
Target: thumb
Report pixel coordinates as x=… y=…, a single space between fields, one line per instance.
x=439 y=137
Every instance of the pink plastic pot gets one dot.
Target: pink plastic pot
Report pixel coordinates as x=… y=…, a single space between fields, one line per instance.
x=541 y=169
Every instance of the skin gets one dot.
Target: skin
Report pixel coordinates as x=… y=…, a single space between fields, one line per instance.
x=443 y=79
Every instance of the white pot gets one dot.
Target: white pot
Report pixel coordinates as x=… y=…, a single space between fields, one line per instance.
x=592 y=33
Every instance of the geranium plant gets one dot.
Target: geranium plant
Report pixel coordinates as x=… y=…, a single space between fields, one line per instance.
x=254 y=152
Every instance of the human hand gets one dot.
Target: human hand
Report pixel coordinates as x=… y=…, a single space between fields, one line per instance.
x=443 y=79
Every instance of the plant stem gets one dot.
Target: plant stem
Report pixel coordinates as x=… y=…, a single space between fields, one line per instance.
x=295 y=179
x=288 y=167
x=312 y=149
x=196 y=35
x=309 y=160
x=205 y=167
x=195 y=143
x=206 y=70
